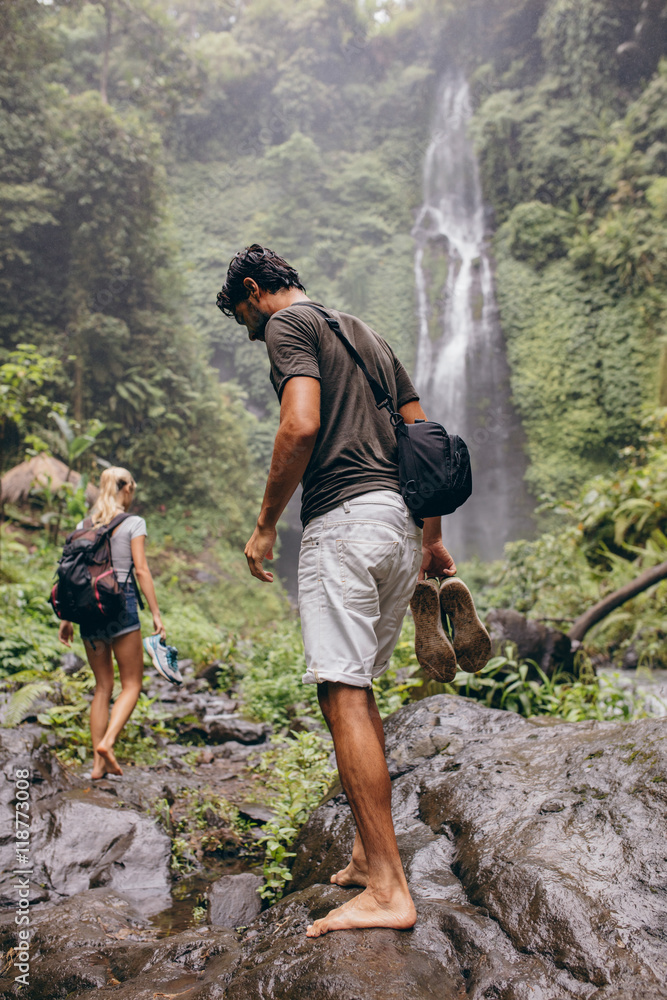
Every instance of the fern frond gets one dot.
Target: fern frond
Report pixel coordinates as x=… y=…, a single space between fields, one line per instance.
x=23 y=700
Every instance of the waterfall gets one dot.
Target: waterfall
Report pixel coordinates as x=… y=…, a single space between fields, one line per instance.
x=461 y=369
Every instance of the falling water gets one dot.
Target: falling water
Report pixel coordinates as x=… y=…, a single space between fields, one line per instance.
x=461 y=370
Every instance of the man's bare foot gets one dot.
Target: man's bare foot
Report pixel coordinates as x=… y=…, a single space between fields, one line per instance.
x=365 y=910
x=356 y=873
x=110 y=763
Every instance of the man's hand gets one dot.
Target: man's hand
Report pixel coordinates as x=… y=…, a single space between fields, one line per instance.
x=259 y=548
x=66 y=633
x=436 y=561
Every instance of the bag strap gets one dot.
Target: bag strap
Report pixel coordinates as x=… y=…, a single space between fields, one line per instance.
x=118 y=519
x=114 y=522
x=382 y=397
x=136 y=585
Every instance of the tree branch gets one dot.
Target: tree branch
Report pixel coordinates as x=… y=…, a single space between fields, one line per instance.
x=608 y=604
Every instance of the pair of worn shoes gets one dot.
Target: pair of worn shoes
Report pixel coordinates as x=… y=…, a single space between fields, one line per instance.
x=437 y=654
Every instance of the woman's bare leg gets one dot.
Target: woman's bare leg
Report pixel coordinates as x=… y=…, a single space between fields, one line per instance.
x=101 y=664
x=129 y=654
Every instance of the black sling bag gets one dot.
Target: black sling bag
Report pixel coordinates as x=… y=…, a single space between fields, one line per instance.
x=433 y=466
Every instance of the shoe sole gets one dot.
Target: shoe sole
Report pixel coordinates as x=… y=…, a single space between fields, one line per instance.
x=471 y=640
x=158 y=666
x=432 y=646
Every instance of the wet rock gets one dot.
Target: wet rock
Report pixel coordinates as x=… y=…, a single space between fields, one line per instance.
x=220 y=704
x=79 y=838
x=99 y=941
x=548 y=647
x=256 y=812
x=71 y=663
x=211 y=672
x=534 y=851
x=283 y=964
x=234 y=900
x=535 y=847
x=225 y=728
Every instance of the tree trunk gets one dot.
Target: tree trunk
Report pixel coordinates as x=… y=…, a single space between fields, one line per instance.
x=104 y=79
x=608 y=604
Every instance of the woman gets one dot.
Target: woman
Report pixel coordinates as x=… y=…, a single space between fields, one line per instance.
x=123 y=638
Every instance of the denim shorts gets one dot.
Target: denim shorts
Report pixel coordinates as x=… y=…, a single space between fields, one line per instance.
x=358 y=567
x=128 y=622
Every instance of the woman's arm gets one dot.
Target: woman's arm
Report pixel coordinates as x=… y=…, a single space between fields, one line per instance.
x=145 y=581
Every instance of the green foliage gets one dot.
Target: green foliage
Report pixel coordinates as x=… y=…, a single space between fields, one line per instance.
x=201 y=824
x=295 y=776
x=97 y=297
x=399 y=682
x=574 y=165
x=600 y=540
x=25 y=401
x=326 y=169
x=271 y=685
x=524 y=688
x=521 y=686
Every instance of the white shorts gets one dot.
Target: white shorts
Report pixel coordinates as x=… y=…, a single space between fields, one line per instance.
x=358 y=567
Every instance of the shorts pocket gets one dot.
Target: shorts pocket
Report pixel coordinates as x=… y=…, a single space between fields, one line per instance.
x=363 y=565
x=308 y=572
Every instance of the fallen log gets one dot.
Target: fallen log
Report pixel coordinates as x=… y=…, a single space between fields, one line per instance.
x=608 y=604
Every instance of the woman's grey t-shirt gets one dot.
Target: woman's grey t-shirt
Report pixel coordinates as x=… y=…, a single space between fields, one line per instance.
x=121 y=543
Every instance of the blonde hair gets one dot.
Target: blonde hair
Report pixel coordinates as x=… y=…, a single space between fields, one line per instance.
x=107 y=504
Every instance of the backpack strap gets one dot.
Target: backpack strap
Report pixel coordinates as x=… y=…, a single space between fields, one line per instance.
x=114 y=522
x=118 y=519
x=136 y=585
x=382 y=397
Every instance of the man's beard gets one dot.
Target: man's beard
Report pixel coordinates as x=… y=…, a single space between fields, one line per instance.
x=258 y=320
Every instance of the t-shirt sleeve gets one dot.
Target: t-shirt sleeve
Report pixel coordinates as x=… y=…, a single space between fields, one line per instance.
x=292 y=342
x=405 y=390
x=137 y=526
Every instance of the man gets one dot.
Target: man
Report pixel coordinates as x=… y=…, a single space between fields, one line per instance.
x=361 y=552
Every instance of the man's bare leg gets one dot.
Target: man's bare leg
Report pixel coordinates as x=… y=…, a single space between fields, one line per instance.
x=386 y=900
x=356 y=872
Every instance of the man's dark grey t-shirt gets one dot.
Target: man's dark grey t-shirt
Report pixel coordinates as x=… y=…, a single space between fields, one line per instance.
x=355 y=451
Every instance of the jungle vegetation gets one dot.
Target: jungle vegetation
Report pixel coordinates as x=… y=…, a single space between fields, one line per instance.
x=143 y=142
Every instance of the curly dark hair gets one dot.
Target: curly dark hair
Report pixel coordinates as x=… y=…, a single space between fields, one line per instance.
x=269 y=270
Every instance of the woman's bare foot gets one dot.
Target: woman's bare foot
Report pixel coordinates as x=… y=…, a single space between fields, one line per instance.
x=356 y=873
x=110 y=763
x=99 y=767
x=368 y=909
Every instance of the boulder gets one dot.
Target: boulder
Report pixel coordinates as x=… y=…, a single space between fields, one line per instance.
x=225 y=728
x=234 y=901
x=71 y=663
x=548 y=647
x=99 y=941
x=535 y=847
x=534 y=851
x=80 y=837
